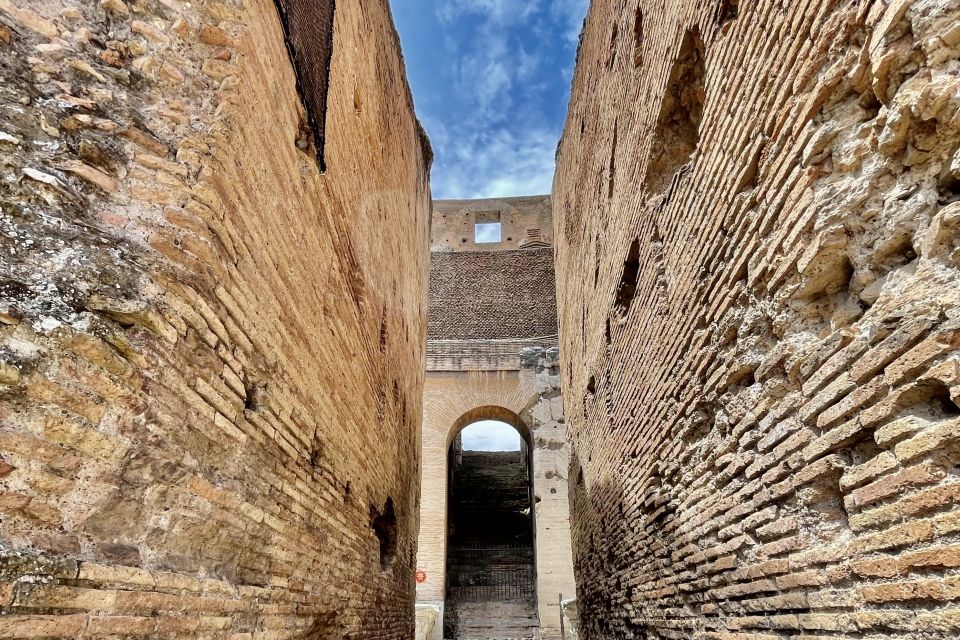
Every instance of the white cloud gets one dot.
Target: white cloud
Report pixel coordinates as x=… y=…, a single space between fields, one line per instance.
x=490 y=435
x=572 y=13
x=492 y=136
x=495 y=163
x=499 y=11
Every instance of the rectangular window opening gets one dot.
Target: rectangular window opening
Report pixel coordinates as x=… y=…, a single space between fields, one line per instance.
x=486 y=232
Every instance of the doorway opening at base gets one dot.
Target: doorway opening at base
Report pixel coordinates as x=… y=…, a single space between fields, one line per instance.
x=491 y=571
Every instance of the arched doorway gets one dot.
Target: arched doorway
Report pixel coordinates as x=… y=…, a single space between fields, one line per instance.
x=490 y=564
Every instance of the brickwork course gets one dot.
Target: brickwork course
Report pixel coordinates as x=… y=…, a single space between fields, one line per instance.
x=757 y=209
x=481 y=295
x=190 y=312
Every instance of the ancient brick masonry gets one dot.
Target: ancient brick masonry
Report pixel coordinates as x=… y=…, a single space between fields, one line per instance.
x=492 y=295
x=210 y=351
x=757 y=210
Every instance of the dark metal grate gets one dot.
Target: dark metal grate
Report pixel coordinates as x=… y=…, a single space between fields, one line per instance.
x=489 y=573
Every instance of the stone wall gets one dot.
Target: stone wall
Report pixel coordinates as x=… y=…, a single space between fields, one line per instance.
x=525 y=221
x=210 y=350
x=489 y=301
x=757 y=208
x=482 y=295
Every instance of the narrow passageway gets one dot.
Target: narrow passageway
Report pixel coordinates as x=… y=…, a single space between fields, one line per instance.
x=491 y=581
x=244 y=336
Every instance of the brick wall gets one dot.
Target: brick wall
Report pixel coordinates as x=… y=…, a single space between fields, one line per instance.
x=209 y=350
x=490 y=300
x=491 y=295
x=757 y=212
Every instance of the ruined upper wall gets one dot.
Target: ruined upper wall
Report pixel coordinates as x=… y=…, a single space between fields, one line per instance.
x=210 y=351
x=525 y=222
x=489 y=300
x=757 y=258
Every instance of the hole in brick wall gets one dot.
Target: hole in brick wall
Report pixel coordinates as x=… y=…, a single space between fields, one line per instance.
x=383 y=332
x=929 y=400
x=638 y=39
x=627 y=290
x=384 y=525
x=742 y=376
x=347 y=491
x=613 y=45
x=948 y=187
x=677 y=132
x=254 y=394
x=864 y=451
x=898 y=251
x=727 y=11
x=316 y=455
x=940 y=400
x=592 y=385
x=870 y=104
x=598 y=260
x=612 y=171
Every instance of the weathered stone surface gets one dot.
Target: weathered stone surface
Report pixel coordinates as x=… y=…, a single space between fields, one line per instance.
x=211 y=352
x=757 y=264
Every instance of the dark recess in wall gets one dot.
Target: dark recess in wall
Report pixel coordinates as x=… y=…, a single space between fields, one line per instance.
x=384 y=525
x=678 y=125
x=308 y=32
x=638 y=39
x=627 y=289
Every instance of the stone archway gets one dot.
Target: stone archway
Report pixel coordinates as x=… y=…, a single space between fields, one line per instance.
x=525 y=400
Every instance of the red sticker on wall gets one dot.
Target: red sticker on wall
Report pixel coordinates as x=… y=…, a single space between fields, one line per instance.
x=421 y=576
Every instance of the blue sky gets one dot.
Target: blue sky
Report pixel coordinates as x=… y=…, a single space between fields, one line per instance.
x=490 y=435
x=491 y=81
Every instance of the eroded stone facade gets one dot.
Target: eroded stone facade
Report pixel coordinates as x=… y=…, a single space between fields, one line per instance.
x=757 y=209
x=210 y=350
